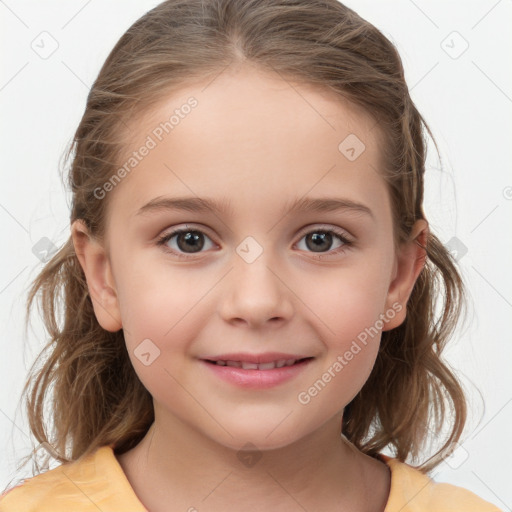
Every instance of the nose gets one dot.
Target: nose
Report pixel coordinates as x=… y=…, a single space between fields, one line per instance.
x=254 y=293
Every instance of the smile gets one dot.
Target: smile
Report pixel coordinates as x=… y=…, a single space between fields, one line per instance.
x=248 y=374
x=246 y=365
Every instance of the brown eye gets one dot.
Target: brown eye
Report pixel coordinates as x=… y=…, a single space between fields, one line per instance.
x=187 y=241
x=190 y=241
x=321 y=241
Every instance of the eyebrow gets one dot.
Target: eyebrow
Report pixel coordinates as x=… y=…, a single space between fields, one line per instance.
x=207 y=205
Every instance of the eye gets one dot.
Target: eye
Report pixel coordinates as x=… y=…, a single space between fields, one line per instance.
x=318 y=240
x=190 y=241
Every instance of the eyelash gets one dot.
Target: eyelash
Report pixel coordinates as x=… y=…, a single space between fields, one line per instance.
x=347 y=244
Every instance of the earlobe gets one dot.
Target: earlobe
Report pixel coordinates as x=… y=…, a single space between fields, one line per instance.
x=408 y=265
x=96 y=266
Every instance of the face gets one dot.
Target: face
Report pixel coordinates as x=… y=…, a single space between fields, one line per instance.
x=263 y=278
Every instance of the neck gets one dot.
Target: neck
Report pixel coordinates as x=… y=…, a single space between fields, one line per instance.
x=176 y=464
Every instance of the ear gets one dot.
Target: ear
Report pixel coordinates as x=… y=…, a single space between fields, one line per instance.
x=409 y=262
x=96 y=266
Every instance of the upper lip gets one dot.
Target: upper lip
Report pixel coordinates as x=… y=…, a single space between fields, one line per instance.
x=266 y=357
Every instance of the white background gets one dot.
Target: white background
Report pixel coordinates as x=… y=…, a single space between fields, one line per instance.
x=465 y=97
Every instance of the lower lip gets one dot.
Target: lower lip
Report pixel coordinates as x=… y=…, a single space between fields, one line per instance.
x=257 y=379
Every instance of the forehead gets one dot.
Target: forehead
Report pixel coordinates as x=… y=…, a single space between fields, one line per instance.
x=253 y=137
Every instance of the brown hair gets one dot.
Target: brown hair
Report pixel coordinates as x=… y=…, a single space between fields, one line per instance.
x=97 y=396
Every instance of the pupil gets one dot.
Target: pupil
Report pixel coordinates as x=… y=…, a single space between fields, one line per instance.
x=319 y=241
x=191 y=237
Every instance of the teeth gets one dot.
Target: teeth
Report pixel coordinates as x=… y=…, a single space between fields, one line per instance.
x=267 y=366
x=254 y=366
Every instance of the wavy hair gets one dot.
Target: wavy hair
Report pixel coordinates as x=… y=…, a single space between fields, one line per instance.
x=96 y=396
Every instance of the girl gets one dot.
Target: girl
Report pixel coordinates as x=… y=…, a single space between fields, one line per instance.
x=249 y=287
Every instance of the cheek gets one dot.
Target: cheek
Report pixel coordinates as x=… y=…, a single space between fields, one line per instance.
x=349 y=307
x=348 y=301
x=163 y=312
x=154 y=298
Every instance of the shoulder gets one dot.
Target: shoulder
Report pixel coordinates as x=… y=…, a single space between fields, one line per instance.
x=413 y=491
x=92 y=483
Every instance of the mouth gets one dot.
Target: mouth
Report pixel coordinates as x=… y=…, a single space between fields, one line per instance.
x=256 y=371
x=248 y=365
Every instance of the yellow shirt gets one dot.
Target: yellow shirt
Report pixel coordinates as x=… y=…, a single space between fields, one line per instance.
x=98 y=483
